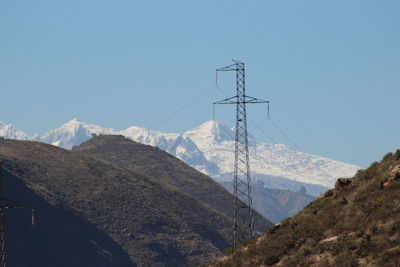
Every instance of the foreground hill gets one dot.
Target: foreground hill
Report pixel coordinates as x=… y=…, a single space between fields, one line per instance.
x=168 y=169
x=132 y=219
x=355 y=224
x=60 y=237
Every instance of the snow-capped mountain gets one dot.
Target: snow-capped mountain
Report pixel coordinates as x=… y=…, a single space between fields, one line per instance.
x=73 y=133
x=277 y=166
x=216 y=142
x=10 y=132
x=210 y=149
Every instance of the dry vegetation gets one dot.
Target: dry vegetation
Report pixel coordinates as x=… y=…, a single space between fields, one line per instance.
x=159 y=164
x=155 y=224
x=355 y=224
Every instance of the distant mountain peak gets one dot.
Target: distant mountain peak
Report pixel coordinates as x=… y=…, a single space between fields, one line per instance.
x=74 y=120
x=74 y=123
x=8 y=131
x=74 y=132
x=211 y=130
x=210 y=148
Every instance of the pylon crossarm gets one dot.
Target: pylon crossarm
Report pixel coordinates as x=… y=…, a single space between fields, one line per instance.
x=8 y=203
x=253 y=100
x=227 y=101
x=228 y=68
x=247 y=100
x=237 y=61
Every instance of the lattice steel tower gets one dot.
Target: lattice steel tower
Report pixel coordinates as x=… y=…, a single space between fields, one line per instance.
x=241 y=178
x=6 y=204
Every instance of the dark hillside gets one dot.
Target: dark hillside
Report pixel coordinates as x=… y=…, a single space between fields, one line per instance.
x=59 y=236
x=168 y=169
x=153 y=223
x=355 y=224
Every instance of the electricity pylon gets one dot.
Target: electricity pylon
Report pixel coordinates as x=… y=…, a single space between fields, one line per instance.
x=241 y=177
x=6 y=204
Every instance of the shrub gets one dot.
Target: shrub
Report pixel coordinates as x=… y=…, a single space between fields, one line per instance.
x=396 y=155
x=389 y=255
x=388 y=156
x=324 y=263
x=395 y=227
x=365 y=246
x=271 y=259
x=345 y=260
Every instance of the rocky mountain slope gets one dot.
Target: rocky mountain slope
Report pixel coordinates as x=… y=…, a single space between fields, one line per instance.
x=168 y=169
x=129 y=215
x=355 y=224
x=275 y=204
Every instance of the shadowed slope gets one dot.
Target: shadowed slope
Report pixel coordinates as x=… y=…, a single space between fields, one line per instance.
x=168 y=169
x=152 y=222
x=59 y=237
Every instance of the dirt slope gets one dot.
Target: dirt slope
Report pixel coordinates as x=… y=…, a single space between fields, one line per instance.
x=138 y=217
x=168 y=169
x=355 y=224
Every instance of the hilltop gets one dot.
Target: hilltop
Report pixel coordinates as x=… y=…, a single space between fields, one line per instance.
x=156 y=163
x=85 y=204
x=355 y=224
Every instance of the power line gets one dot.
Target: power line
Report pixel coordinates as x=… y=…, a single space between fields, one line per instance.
x=11 y=251
x=284 y=134
x=169 y=116
x=254 y=124
x=257 y=126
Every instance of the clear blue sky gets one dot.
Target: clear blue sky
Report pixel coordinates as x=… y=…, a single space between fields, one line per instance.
x=330 y=68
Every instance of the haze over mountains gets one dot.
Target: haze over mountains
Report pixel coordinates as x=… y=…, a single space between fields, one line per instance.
x=209 y=148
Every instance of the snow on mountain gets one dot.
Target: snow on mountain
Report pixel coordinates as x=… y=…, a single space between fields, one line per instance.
x=277 y=166
x=10 y=132
x=162 y=140
x=73 y=133
x=185 y=149
x=210 y=149
x=211 y=132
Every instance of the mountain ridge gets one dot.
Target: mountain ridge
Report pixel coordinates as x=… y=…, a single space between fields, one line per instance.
x=166 y=168
x=209 y=148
